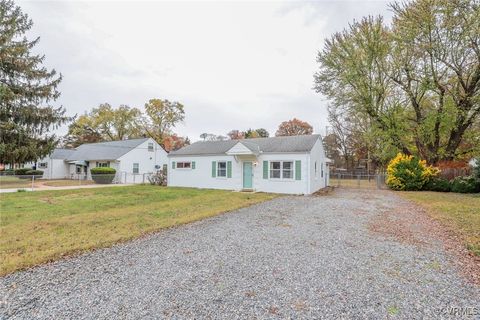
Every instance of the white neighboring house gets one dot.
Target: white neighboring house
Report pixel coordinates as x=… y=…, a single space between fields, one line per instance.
x=131 y=158
x=292 y=165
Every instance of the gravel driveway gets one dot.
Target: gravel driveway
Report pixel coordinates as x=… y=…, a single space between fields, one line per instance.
x=292 y=257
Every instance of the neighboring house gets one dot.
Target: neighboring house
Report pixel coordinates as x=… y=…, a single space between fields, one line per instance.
x=131 y=158
x=294 y=165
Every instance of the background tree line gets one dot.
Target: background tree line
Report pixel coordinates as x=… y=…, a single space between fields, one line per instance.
x=105 y=123
x=411 y=86
x=292 y=127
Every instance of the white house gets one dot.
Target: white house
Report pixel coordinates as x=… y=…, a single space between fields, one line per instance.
x=131 y=158
x=293 y=165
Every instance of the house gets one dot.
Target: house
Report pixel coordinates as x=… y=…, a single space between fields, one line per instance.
x=292 y=165
x=131 y=158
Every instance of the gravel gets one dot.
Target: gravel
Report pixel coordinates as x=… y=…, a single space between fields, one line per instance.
x=292 y=257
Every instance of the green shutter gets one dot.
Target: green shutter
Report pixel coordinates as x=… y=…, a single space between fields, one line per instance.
x=173 y=164
x=229 y=169
x=265 y=169
x=193 y=164
x=214 y=169
x=298 y=170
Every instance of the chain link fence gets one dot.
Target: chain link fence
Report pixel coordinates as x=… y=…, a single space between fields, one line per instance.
x=36 y=182
x=359 y=181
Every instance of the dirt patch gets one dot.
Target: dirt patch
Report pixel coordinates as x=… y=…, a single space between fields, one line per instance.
x=411 y=224
x=324 y=191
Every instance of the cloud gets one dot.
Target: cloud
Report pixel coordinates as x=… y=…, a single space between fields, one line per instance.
x=232 y=64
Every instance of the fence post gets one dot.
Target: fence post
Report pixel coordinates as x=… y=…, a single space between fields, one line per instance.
x=358 y=180
x=143 y=180
x=33 y=181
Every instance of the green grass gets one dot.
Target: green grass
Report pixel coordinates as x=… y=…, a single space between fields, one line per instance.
x=66 y=183
x=42 y=226
x=459 y=212
x=9 y=182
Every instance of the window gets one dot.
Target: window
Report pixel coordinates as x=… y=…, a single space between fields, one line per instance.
x=275 y=169
x=281 y=170
x=184 y=165
x=322 y=169
x=78 y=169
x=136 y=168
x=103 y=164
x=43 y=165
x=287 y=170
x=222 y=169
x=316 y=171
x=150 y=146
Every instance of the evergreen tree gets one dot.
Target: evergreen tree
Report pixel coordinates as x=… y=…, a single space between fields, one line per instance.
x=27 y=89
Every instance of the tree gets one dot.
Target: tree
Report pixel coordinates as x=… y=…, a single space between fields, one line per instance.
x=212 y=137
x=161 y=117
x=105 y=123
x=262 y=133
x=26 y=90
x=416 y=84
x=236 y=135
x=172 y=142
x=294 y=127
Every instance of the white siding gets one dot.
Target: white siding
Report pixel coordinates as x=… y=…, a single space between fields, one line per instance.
x=147 y=160
x=56 y=168
x=201 y=176
x=317 y=180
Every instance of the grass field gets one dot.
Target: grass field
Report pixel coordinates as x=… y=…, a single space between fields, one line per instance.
x=354 y=183
x=41 y=226
x=460 y=212
x=9 y=182
x=66 y=183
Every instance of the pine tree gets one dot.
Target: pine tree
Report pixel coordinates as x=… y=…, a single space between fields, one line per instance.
x=27 y=89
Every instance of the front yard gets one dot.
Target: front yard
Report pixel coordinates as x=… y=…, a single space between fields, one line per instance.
x=459 y=212
x=37 y=227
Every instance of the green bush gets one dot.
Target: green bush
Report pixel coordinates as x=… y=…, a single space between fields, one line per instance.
x=476 y=169
x=438 y=184
x=103 y=175
x=22 y=171
x=467 y=184
x=103 y=170
x=34 y=173
x=8 y=172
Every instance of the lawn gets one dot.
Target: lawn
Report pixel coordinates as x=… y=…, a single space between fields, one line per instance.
x=10 y=182
x=460 y=212
x=66 y=183
x=42 y=226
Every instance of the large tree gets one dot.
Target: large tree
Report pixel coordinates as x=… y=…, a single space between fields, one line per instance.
x=106 y=123
x=294 y=127
x=27 y=90
x=416 y=82
x=161 y=117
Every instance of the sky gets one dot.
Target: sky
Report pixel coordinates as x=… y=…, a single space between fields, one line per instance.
x=233 y=65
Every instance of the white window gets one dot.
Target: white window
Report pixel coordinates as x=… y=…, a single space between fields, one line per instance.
x=43 y=165
x=150 y=146
x=184 y=165
x=222 y=169
x=103 y=164
x=281 y=169
x=136 y=168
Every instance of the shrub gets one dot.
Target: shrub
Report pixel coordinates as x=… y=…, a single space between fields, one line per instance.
x=22 y=171
x=476 y=169
x=467 y=184
x=103 y=175
x=34 y=173
x=409 y=173
x=8 y=172
x=438 y=184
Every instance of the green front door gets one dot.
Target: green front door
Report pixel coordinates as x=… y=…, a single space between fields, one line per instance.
x=247 y=175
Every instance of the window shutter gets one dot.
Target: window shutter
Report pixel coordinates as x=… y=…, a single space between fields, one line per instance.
x=298 y=170
x=193 y=164
x=214 y=169
x=229 y=169
x=265 y=169
x=173 y=164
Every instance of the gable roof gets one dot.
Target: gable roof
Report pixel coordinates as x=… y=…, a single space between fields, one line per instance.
x=111 y=150
x=286 y=144
x=61 y=153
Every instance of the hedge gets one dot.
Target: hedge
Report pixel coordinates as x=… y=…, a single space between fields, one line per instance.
x=103 y=175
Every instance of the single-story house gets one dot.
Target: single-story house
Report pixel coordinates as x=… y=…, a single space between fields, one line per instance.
x=292 y=165
x=131 y=158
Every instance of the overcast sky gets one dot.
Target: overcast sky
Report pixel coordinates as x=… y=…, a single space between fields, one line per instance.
x=234 y=65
